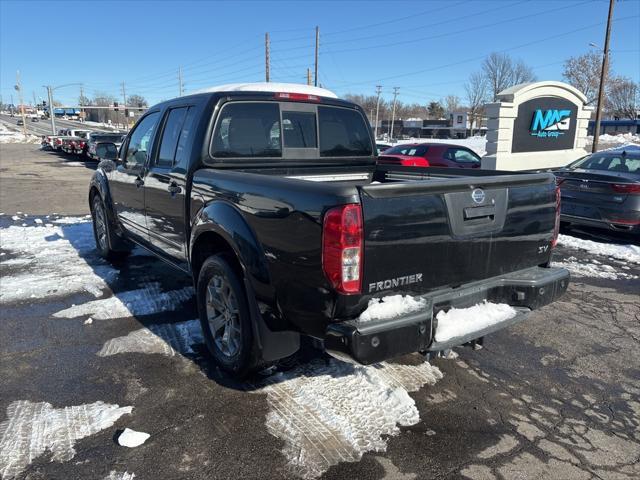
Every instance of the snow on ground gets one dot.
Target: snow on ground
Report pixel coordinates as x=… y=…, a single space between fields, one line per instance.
x=12 y=136
x=143 y=301
x=131 y=438
x=113 y=475
x=328 y=412
x=391 y=307
x=593 y=269
x=627 y=253
x=53 y=261
x=609 y=141
x=31 y=428
x=457 y=322
x=162 y=338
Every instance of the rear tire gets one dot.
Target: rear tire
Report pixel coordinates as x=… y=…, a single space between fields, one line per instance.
x=225 y=316
x=103 y=231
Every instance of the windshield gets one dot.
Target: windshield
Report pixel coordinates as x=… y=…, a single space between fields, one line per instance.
x=611 y=162
x=410 y=150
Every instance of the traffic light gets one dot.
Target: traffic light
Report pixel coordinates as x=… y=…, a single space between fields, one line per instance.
x=115 y=106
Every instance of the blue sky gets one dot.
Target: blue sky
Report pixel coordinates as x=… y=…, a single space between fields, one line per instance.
x=427 y=48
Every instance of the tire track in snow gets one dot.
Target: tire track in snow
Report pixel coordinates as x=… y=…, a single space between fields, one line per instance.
x=143 y=301
x=328 y=412
x=32 y=428
x=165 y=339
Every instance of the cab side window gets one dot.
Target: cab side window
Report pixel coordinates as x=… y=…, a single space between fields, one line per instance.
x=140 y=141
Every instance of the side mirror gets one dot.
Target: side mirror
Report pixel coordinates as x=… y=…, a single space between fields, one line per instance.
x=107 y=151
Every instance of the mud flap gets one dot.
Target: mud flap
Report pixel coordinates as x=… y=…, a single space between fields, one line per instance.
x=270 y=346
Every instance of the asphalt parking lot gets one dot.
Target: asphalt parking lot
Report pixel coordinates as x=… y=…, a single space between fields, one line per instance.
x=88 y=349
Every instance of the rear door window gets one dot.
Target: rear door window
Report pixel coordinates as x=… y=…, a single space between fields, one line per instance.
x=170 y=137
x=343 y=133
x=248 y=130
x=462 y=155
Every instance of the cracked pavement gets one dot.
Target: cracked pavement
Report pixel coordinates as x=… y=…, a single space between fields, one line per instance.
x=555 y=397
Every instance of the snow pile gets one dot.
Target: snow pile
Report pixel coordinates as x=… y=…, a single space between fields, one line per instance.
x=593 y=269
x=458 y=322
x=131 y=438
x=32 y=428
x=627 y=253
x=391 y=307
x=328 y=412
x=164 y=338
x=9 y=136
x=622 y=139
x=143 y=301
x=53 y=260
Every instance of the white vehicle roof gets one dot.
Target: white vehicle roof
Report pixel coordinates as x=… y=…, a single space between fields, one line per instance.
x=270 y=87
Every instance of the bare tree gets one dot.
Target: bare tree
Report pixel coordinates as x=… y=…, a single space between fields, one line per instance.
x=451 y=103
x=622 y=97
x=502 y=72
x=136 y=100
x=436 y=111
x=583 y=72
x=476 y=89
x=522 y=73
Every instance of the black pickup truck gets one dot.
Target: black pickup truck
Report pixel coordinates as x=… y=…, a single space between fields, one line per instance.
x=273 y=202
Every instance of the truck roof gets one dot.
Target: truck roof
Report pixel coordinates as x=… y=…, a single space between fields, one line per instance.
x=270 y=87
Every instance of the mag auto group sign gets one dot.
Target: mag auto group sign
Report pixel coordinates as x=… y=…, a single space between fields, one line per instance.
x=536 y=125
x=543 y=124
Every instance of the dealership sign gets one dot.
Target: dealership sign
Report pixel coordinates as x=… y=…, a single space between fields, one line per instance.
x=544 y=124
x=550 y=123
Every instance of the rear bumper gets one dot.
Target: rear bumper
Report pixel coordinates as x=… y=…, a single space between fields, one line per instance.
x=626 y=226
x=373 y=342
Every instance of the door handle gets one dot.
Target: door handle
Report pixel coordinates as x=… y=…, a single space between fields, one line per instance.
x=174 y=188
x=139 y=182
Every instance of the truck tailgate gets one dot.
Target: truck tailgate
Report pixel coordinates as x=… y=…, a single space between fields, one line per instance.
x=423 y=232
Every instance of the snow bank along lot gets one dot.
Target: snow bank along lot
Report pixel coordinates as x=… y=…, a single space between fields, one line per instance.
x=322 y=412
x=12 y=136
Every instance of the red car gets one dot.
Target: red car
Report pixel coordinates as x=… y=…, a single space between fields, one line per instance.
x=430 y=155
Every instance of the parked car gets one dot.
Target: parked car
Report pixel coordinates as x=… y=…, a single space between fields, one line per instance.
x=430 y=155
x=69 y=140
x=603 y=190
x=381 y=147
x=74 y=145
x=98 y=137
x=293 y=231
x=20 y=122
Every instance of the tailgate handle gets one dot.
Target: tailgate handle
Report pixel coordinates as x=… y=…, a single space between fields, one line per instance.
x=480 y=212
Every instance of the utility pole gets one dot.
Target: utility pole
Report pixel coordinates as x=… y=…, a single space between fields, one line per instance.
x=35 y=103
x=375 y=128
x=267 y=59
x=19 y=89
x=81 y=102
x=603 y=74
x=316 y=62
x=51 y=114
x=124 y=105
x=180 y=84
x=393 y=110
x=308 y=76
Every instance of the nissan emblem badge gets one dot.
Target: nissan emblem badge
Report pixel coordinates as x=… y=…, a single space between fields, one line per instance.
x=478 y=195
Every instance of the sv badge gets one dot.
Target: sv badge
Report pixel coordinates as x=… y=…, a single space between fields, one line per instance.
x=543 y=249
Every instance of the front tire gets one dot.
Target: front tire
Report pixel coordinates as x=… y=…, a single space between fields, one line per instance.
x=225 y=316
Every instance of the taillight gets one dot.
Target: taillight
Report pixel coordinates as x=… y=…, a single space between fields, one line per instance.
x=296 y=96
x=342 y=250
x=627 y=188
x=556 y=228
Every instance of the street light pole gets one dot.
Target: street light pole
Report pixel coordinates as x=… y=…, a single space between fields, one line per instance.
x=51 y=114
x=603 y=73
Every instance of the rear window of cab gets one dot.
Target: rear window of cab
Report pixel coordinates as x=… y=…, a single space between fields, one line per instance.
x=251 y=130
